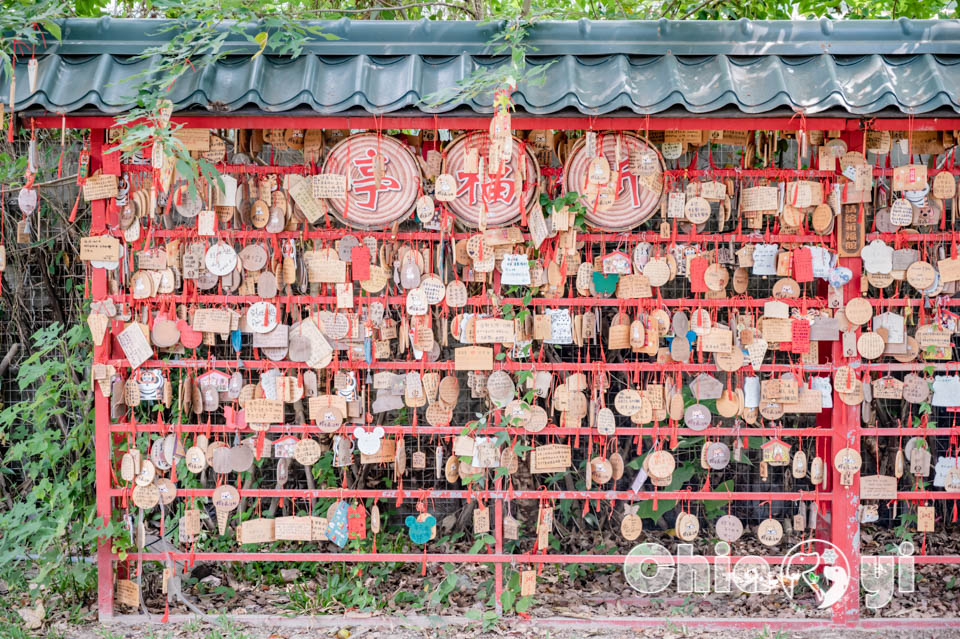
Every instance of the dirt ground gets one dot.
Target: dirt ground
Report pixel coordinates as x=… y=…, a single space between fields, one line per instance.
x=337 y=627
x=597 y=603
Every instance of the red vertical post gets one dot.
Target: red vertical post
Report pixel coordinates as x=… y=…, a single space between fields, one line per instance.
x=102 y=442
x=844 y=522
x=498 y=534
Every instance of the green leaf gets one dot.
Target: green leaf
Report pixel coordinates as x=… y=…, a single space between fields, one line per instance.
x=507 y=600
x=524 y=604
x=664 y=506
x=714 y=507
x=226 y=591
x=261 y=39
x=53 y=29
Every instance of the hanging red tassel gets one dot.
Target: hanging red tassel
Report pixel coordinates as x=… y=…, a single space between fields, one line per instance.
x=76 y=206
x=258 y=448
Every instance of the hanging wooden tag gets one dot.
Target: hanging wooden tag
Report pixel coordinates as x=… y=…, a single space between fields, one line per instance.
x=770 y=532
x=481 y=520
x=800 y=520
x=511 y=528
x=729 y=528
x=528 y=583
x=925 y=519
x=632 y=524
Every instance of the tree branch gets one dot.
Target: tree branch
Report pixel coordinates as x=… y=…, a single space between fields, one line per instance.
x=703 y=5
x=8 y=358
x=415 y=5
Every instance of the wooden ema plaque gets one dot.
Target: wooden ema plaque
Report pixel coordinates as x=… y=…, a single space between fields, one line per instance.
x=382 y=180
x=850 y=231
x=634 y=200
x=499 y=191
x=550 y=458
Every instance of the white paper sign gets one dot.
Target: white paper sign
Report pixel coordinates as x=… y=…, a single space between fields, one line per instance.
x=228 y=196
x=765 y=259
x=894 y=323
x=561 y=330
x=751 y=392
x=675 y=203
x=538 y=226
x=639 y=481
x=135 y=345
x=946 y=391
x=268 y=382
x=822 y=261
x=825 y=387
x=877 y=257
x=940 y=470
x=515 y=270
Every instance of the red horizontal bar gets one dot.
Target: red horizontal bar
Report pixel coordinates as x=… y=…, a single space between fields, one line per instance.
x=601 y=495
x=914 y=237
x=784 y=174
x=924 y=124
x=767 y=625
x=885 y=172
x=307 y=300
x=778 y=173
x=260 y=169
x=482 y=122
x=427 y=557
x=130 y=427
x=894 y=432
x=256 y=169
x=414 y=365
x=477 y=558
x=810 y=302
x=927 y=559
x=772 y=173
x=523 y=366
x=914 y=301
x=640 y=236
x=926 y=494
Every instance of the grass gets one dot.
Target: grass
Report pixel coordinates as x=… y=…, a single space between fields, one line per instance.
x=225 y=628
x=767 y=633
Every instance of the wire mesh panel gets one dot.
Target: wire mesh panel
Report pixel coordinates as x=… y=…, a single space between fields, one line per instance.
x=285 y=387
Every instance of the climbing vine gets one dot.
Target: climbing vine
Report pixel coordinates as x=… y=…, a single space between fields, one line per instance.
x=202 y=32
x=499 y=80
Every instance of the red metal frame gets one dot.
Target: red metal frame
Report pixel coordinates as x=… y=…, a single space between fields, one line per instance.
x=103 y=439
x=836 y=428
x=523 y=122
